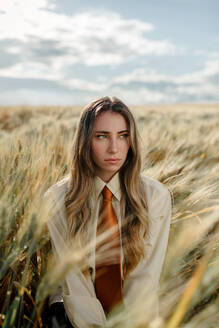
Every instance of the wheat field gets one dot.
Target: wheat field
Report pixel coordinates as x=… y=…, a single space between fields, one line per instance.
x=180 y=148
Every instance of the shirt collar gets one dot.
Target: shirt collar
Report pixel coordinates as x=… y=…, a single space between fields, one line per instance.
x=113 y=185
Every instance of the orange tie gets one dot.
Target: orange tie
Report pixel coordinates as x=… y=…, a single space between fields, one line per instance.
x=108 y=281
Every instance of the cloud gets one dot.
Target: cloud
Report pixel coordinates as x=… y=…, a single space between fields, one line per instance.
x=199 y=86
x=80 y=84
x=40 y=47
x=49 y=41
x=25 y=96
x=141 y=86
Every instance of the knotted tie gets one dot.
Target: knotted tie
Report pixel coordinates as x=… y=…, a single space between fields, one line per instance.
x=108 y=276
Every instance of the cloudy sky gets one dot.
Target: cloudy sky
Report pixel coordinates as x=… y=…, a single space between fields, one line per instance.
x=65 y=52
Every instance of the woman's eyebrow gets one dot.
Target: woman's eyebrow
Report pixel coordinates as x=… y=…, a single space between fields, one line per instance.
x=101 y=131
x=107 y=132
x=124 y=131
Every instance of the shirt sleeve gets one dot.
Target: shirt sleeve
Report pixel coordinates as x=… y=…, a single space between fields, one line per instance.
x=56 y=230
x=144 y=279
x=77 y=292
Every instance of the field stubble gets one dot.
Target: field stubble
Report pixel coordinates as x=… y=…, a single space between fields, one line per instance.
x=180 y=147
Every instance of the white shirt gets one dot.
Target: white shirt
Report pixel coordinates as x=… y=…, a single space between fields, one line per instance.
x=82 y=306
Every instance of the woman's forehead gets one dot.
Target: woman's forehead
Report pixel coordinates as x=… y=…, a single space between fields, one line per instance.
x=110 y=121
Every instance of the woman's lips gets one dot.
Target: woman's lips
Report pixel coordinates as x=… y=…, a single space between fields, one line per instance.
x=112 y=160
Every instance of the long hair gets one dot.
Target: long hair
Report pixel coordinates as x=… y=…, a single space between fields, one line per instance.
x=134 y=212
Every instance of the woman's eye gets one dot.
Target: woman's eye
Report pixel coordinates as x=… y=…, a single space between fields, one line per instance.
x=126 y=135
x=100 y=136
x=104 y=136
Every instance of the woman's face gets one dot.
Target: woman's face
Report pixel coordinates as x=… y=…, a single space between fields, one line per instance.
x=110 y=144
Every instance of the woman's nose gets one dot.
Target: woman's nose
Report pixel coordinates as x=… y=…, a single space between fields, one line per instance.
x=113 y=147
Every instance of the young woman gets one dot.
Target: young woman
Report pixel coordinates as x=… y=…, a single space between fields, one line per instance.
x=107 y=193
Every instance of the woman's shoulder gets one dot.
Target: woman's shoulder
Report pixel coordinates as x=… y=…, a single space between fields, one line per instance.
x=159 y=200
x=154 y=187
x=158 y=195
x=57 y=190
x=54 y=202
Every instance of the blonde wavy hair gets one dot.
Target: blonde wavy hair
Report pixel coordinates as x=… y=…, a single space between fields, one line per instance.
x=134 y=211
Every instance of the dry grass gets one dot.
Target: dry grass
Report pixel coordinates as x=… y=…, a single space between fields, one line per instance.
x=180 y=145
